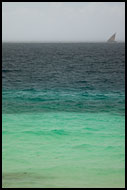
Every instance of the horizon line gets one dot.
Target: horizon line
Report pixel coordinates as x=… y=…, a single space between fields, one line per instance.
x=60 y=41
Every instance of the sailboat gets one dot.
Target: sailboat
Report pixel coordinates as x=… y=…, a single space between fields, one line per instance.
x=112 y=38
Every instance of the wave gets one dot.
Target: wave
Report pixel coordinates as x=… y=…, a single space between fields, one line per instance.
x=99 y=147
x=45 y=132
x=10 y=70
x=83 y=146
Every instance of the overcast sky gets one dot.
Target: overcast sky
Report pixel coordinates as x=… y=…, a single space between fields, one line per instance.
x=63 y=21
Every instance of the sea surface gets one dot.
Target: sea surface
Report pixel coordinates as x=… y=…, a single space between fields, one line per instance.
x=63 y=115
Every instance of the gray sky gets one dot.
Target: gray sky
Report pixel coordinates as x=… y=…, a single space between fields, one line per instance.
x=62 y=21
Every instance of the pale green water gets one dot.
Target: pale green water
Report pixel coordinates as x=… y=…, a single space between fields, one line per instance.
x=63 y=150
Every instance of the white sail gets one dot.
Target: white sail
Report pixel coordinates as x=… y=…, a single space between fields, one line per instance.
x=112 y=38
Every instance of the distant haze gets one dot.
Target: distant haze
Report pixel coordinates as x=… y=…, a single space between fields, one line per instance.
x=62 y=21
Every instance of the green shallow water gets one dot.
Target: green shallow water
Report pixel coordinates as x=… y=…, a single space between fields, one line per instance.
x=61 y=149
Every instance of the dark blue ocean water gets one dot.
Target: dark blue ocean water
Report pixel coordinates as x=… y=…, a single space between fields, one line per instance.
x=65 y=77
x=63 y=115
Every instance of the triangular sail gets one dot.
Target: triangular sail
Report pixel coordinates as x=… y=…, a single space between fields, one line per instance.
x=112 y=38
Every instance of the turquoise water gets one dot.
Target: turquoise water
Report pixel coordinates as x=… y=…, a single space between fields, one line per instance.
x=63 y=123
x=63 y=150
